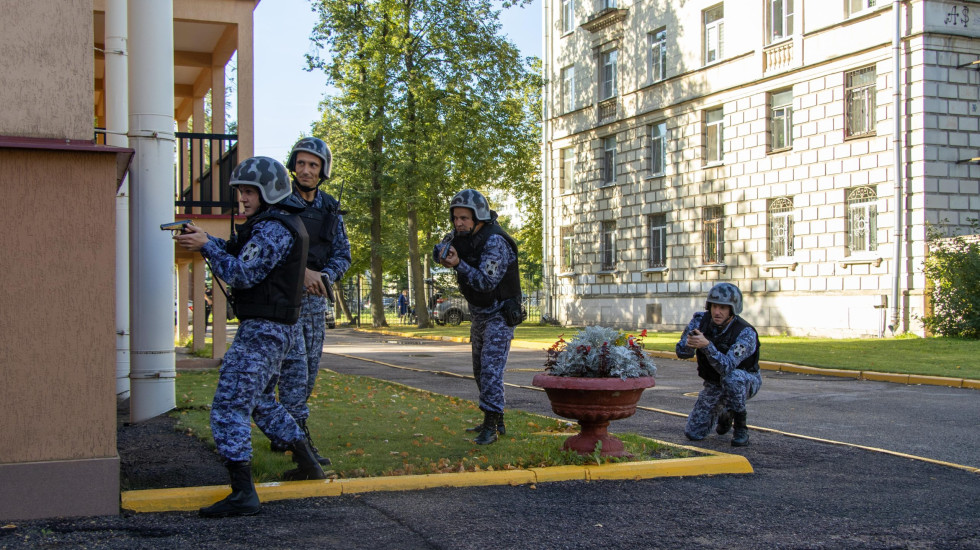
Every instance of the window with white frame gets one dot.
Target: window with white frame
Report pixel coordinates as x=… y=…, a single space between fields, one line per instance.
x=781 y=120
x=714 y=33
x=858 y=6
x=567 y=178
x=657 y=55
x=607 y=74
x=658 y=148
x=567 y=248
x=568 y=89
x=608 y=161
x=712 y=235
x=714 y=135
x=567 y=16
x=780 y=228
x=862 y=219
x=608 y=246
x=657 y=227
x=859 y=102
x=779 y=20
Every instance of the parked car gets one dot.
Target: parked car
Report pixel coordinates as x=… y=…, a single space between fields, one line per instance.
x=451 y=310
x=329 y=316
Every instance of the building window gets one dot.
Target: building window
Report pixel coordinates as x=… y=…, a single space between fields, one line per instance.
x=781 y=120
x=714 y=135
x=859 y=102
x=657 y=57
x=567 y=16
x=657 y=224
x=608 y=246
x=779 y=20
x=658 y=148
x=862 y=220
x=607 y=81
x=780 y=228
x=712 y=236
x=857 y=6
x=606 y=4
x=714 y=33
x=568 y=89
x=567 y=248
x=567 y=170
x=608 y=161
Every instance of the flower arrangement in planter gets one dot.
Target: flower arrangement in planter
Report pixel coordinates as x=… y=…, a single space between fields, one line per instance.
x=600 y=352
x=596 y=378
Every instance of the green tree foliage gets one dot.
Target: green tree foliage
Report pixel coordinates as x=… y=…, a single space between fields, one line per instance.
x=432 y=99
x=953 y=269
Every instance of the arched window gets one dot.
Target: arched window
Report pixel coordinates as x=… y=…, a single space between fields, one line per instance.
x=862 y=219
x=780 y=228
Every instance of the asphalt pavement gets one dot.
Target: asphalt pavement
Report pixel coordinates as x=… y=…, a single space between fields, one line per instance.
x=839 y=463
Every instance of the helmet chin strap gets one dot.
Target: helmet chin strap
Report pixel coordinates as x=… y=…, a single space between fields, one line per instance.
x=304 y=188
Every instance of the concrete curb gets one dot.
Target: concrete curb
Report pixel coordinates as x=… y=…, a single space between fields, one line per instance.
x=767 y=365
x=191 y=498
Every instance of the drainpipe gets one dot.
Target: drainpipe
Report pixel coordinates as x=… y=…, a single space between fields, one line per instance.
x=117 y=125
x=151 y=123
x=897 y=149
x=545 y=161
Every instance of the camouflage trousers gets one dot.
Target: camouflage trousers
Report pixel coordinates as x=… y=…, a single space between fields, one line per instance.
x=734 y=390
x=301 y=366
x=490 y=337
x=246 y=388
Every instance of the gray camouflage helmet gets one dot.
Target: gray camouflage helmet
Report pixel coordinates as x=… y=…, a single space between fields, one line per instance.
x=268 y=174
x=313 y=146
x=475 y=201
x=725 y=294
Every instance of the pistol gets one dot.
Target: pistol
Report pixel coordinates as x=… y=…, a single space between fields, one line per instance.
x=176 y=227
x=446 y=241
x=326 y=283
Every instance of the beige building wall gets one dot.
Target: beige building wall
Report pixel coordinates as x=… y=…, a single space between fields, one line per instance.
x=823 y=287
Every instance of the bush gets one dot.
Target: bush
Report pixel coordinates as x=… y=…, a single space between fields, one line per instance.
x=953 y=268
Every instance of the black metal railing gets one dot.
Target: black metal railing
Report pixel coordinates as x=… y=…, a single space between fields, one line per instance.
x=195 y=186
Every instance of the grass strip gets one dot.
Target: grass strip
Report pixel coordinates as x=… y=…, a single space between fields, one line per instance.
x=950 y=357
x=370 y=427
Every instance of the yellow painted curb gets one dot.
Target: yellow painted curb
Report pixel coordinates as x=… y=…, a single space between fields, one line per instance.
x=935 y=380
x=972 y=384
x=885 y=377
x=191 y=498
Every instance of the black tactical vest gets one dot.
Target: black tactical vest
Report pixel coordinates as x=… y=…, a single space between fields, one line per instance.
x=321 y=226
x=470 y=250
x=724 y=342
x=279 y=296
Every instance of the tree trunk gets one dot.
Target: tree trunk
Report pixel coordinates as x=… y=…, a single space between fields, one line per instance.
x=338 y=292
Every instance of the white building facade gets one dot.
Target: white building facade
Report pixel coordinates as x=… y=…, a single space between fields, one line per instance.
x=758 y=142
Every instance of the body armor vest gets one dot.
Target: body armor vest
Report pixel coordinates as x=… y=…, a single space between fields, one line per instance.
x=321 y=226
x=470 y=250
x=277 y=297
x=724 y=342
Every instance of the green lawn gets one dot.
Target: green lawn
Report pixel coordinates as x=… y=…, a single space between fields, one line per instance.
x=371 y=427
x=958 y=358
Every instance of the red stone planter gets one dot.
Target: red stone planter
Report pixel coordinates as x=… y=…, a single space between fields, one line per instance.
x=593 y=402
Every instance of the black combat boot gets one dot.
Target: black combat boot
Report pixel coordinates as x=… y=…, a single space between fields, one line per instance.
x=324 y=461
x=277 y=448
x=501 y=429
x=724 y=422
x=307 y=466
x=243 y=500
x=741 y=436
x=489 y=432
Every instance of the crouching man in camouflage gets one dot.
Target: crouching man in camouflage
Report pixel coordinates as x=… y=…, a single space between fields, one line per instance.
x=264 y=266
x=727 y=350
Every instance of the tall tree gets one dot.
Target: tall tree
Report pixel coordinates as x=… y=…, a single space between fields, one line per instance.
x=432 y=94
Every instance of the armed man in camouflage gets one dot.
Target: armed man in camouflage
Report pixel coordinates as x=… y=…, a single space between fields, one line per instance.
x=263 y=265
x=328 y=259
x=484 y=258
x=727 y=350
